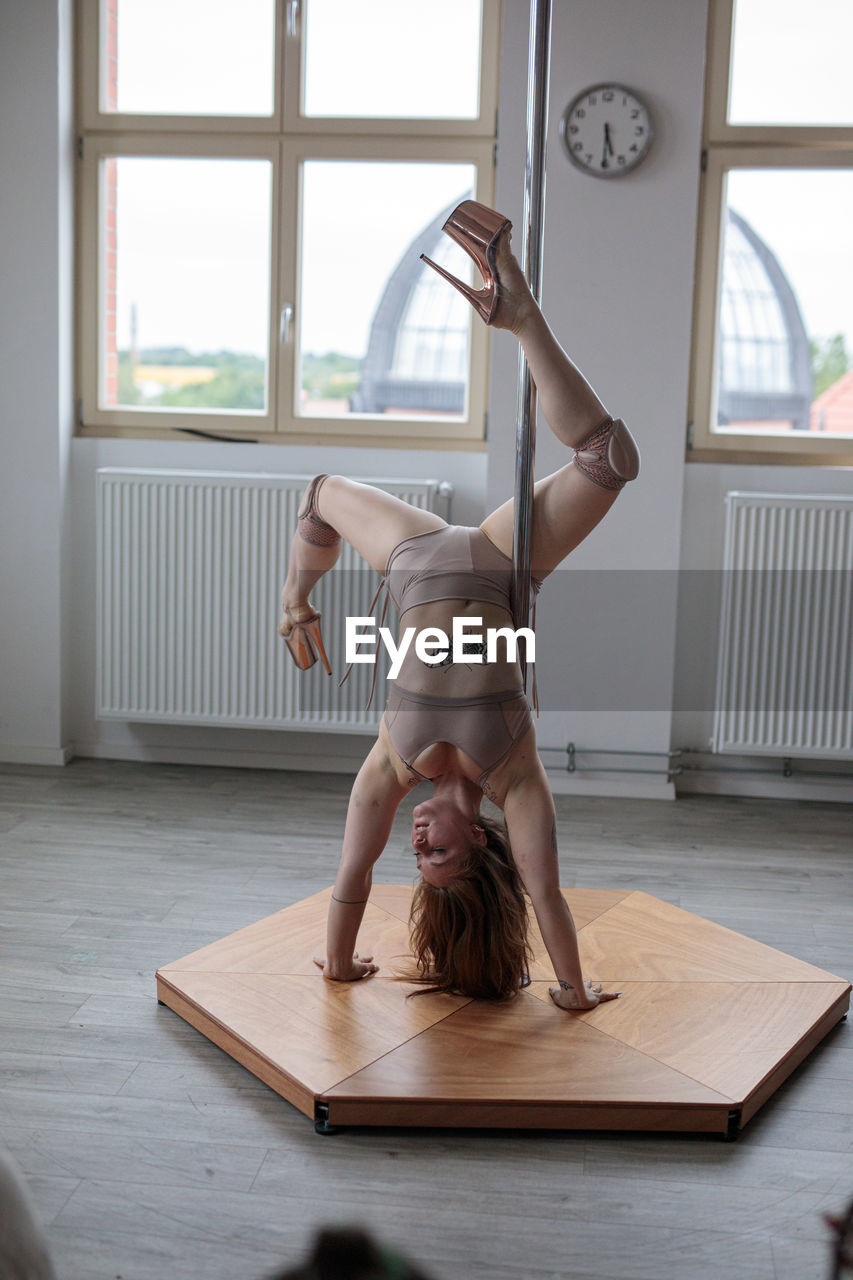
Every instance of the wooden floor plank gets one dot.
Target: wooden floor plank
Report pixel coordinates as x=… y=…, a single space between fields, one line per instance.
x=314 y=1031
x=146 y=863
x=287 y=942
x=520 y=1052
x=585 y=905
x=729 y=1036
x=649 y=940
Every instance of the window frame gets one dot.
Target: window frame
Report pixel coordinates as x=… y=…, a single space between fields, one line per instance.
x=725 y=148
x=287 y=138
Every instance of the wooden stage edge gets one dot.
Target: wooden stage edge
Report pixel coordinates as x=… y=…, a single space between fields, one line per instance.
x=268 y=1072
x=415 y=1113
x=712 y=1025
x=795 y=1058
x=723 y=1120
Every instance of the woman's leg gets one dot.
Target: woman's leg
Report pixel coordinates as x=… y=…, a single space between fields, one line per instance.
x=567 y=504
x=371 y=521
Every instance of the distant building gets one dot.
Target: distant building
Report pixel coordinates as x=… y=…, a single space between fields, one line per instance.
x=417 y=355
x=764 y=373
x=833 y=411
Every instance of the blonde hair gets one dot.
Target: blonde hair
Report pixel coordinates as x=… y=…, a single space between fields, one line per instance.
x=469 y=938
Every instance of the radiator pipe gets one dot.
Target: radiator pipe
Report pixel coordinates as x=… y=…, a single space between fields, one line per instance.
x=538 y=71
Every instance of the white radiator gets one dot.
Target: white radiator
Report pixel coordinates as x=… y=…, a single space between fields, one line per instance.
x=784 y=682
x=189 y=574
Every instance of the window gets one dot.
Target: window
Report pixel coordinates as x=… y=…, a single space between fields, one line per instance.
x=773 y=331
x=257 y=183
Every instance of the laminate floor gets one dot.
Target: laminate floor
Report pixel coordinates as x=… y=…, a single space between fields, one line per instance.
x=151 y=1154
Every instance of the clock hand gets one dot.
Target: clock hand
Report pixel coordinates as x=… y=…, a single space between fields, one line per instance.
x=607 y=145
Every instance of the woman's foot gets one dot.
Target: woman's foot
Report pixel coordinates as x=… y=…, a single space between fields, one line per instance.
x=292 y=612
x=515 y=301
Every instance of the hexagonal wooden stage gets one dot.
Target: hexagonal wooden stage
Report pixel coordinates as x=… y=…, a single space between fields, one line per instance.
x=709 y=1025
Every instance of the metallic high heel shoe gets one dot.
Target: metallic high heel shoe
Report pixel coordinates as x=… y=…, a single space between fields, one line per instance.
x=609 y=456
x=477 y=229
x=304 y=641
x=303 y=637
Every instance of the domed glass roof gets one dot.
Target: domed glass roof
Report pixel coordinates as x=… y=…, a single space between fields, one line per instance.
x=764 y=372
x=417 y=356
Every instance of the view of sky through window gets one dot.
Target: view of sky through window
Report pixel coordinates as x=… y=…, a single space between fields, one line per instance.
x=791 y=63
x=804 y=217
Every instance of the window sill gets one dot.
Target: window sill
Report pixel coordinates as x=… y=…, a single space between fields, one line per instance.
x=363 y=440
x=743 y=454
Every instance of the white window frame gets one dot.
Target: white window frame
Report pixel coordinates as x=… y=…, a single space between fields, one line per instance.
x=728 y=147
x=287 y=138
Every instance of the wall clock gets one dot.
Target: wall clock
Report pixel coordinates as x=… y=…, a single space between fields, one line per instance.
x=607 y=130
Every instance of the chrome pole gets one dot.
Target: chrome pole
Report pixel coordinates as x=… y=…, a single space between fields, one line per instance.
x=538 y=73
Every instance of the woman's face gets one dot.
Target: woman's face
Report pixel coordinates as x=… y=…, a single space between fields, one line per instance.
x=441 y=836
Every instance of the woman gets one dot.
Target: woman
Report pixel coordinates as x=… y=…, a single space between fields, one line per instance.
x=464 y=726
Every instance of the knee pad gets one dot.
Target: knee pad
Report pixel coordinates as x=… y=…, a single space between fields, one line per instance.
x=609 y=456
x=311 y=527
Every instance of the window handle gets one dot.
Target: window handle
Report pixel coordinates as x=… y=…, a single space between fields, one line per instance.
x=292 y=18
x=284 y=325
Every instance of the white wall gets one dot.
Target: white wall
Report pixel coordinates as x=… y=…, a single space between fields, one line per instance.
x=35 y=400
x=617 y=287
x=615 y=657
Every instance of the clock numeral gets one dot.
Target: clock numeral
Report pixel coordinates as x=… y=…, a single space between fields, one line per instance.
x=621 y=159
x=592 y=100
x=588 y=158
x=578 y=146
x=573 y=128
x=638 y=130
x=633 y=147
x=580 y=114
x=635 y=113
x=608 y=96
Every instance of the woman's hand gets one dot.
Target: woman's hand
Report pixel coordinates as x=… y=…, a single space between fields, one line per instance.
x=566 y=997
x=359 y=967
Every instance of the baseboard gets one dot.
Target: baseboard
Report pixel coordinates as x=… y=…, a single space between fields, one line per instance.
x=305 y=762
x=766 y=786
x=14 y=754
x=627 y=785
x=562 y=783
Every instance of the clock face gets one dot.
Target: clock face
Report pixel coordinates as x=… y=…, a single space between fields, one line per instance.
x=606 y=130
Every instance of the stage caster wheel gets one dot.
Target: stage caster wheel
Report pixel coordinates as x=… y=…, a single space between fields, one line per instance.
x=321 y=1121
x=731 y=1134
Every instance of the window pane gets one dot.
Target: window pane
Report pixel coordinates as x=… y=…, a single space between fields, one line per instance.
x=188 y=57
x=185 y=283
x=415 y=59
x=791 y=63
x=379 y=332
x=786 y=305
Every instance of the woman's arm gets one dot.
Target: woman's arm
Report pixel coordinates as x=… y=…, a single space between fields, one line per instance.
x=532 y=827
x=374 y=799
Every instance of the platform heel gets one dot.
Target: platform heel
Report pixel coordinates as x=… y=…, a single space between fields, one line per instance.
x=477 y=229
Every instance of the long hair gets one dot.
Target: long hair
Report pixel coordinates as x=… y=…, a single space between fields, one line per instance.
x=469 y=938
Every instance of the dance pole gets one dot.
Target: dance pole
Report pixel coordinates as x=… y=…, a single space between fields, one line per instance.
x=538 y=71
